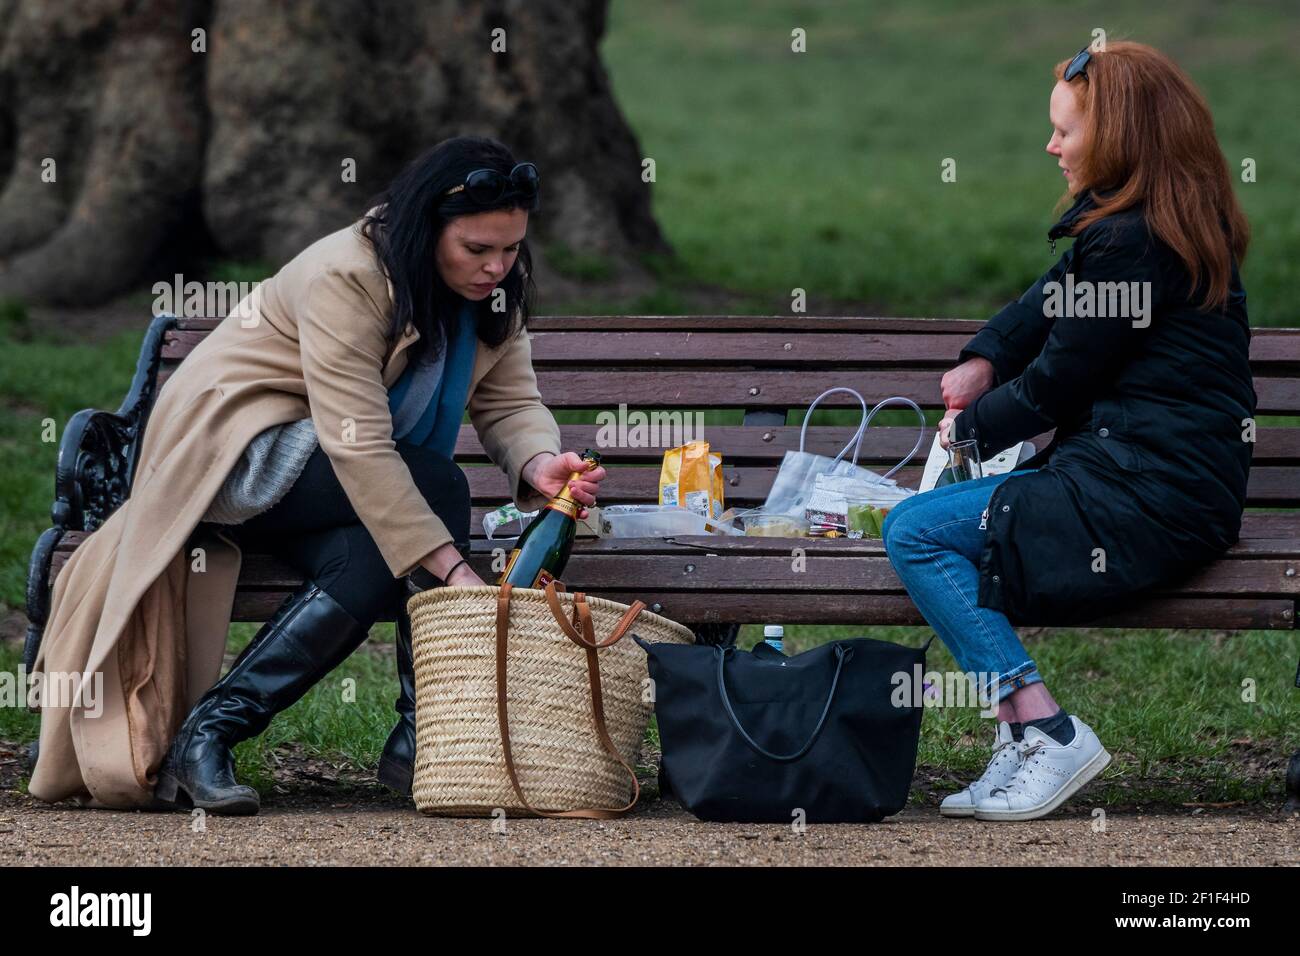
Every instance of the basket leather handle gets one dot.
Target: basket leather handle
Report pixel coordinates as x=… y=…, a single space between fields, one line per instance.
x=597 y=707
x=581 y=631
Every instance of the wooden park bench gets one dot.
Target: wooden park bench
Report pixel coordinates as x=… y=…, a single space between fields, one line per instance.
x=761 y=369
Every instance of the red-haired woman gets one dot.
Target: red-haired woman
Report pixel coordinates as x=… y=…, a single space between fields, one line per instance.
x=1134 y=348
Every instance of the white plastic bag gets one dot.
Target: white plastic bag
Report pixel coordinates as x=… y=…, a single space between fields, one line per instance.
x=814 y=487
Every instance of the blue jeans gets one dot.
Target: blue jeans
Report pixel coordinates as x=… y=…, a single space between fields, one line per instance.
x=934 y=542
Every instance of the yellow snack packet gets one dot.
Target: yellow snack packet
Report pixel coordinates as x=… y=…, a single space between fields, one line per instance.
x=691 y=478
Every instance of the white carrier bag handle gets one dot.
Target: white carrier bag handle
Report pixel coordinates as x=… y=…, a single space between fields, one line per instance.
x=856 y=441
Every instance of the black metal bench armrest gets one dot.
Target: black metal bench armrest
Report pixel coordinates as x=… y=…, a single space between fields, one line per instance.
x=96 y=464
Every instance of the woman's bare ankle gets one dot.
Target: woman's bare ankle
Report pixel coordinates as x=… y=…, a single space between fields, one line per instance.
x=1032 y=702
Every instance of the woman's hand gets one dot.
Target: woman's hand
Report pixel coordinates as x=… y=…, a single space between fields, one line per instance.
x=965 y=383
x=549 y=474
x=945 y=426
x=961 y=386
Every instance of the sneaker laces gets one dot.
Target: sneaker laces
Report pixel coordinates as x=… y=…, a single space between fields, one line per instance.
x=1019 y=778
x=1016 y=745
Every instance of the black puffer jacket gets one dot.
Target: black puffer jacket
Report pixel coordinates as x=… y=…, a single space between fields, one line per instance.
x=1150 y=458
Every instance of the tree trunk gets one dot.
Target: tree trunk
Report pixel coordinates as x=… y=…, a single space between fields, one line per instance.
x=127 y=140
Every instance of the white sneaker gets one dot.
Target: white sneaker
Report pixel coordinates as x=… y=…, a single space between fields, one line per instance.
x=1007 y=757
x=1050 y=774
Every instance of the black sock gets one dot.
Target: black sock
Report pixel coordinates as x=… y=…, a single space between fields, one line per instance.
x=1017 y=730
x=1059 y=726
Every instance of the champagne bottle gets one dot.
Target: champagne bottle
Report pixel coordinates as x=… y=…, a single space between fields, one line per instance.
x=543 y=549
x=946 y=477
x=963 y=464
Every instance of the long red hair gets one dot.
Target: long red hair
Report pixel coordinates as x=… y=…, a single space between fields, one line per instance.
x=1149 y=137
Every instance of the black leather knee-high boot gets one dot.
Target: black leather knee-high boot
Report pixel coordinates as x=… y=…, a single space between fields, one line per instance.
x=397 y=763
x=307 y=637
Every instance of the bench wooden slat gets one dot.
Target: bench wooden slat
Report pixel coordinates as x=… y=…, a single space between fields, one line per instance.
x=708 y=349
x=879 y=610
x=749 y=485
x=712 y=350
x=767 y=579
x=668 y=388
x=717 y=569
x=1248 y=548
x=733 y=572
x=741 y=444
x=1272 y=534
x=800 y=324
x=882 y=445
x=707 y=323
x=797 y=348
x=1268 y=533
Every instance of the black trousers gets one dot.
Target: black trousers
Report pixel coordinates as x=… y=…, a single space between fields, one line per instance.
x=315 y=529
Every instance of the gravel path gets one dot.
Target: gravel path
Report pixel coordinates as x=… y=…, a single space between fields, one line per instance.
x=363 y=825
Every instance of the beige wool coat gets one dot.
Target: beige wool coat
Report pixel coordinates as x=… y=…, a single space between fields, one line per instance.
x=136 y=603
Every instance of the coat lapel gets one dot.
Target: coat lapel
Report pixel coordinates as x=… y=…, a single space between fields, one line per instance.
x=395 y=364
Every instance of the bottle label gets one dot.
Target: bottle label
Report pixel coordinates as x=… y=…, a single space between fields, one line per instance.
x=564 y=506
x=543 y=578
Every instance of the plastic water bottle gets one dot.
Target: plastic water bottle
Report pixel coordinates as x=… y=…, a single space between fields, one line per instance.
x=774 y=634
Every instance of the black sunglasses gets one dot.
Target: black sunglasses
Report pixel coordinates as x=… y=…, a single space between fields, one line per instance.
x=1076 y=67
x=486 y=186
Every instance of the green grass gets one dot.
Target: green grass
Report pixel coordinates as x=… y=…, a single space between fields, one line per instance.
x=43 y=383
x=576 y=265
x=777 y=170
x=1168 y=705
x=15 y=322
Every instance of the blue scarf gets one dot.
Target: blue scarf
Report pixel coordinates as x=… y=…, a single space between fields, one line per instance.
x=427 y=401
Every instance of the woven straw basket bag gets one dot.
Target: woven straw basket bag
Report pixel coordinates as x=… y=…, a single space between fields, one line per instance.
x=529 y=701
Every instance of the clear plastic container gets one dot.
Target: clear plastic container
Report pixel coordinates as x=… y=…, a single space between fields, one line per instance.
x=649 y=521
x=760 y=524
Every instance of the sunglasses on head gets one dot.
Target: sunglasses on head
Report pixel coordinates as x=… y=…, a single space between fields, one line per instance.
x=1076 y=67
x=486 y=186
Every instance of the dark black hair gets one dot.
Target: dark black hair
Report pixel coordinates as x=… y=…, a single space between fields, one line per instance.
x=405 y=229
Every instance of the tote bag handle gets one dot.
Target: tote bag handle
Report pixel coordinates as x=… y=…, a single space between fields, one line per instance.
x=856 y=441
x=842 y=654
x=582 y=632
x=920 y=438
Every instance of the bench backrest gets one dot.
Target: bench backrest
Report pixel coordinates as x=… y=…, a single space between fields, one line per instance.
x=768 y=370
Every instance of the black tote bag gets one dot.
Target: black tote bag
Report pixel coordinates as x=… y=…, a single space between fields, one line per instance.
x=758 y=737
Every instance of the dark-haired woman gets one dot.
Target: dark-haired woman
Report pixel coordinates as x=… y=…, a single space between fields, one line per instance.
x=318 y=422
x=1134 y=347
x=372 y=492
